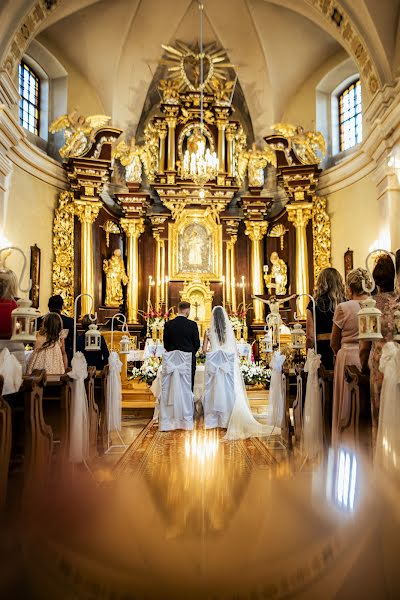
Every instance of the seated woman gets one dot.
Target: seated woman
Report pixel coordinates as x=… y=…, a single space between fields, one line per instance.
x=388 y=301
x=8 y=293
x=344 y=344
x=329 y=292
x=94 y=358
x=49 y=351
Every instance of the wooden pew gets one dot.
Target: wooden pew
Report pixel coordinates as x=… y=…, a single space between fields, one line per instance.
x=93 y=412
x=325 y=378
x=357 y=432
x=287 y=429
x=298 y=403
x=100 y=391
x=5 y=445
x=57 y=413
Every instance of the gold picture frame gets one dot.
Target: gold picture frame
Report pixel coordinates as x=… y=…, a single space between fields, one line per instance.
x=195 y=247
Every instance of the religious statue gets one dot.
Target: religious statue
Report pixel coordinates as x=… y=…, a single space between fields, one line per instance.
x=309 y=147
x=222 y=90
x=114 y=269
x=254 y=162
x=170 y=91
x=78 y=132
x=130 y=158
x=196 y=141
x=150 y=151
x=278 y=275
x=195 y=244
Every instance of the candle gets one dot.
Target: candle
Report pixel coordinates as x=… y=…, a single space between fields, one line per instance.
x=223 y=290
x=166 y=293
x=244 y=293
x=149 y=294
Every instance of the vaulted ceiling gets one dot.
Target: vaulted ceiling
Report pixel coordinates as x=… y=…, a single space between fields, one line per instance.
x=276 y=45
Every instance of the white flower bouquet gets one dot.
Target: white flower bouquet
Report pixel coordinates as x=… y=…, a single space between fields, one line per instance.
x=255 y=374
x=148 y=371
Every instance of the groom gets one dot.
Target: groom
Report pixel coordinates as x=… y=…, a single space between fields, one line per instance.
x=182 y=334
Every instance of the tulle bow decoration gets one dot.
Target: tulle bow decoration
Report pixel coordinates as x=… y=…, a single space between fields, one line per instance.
x=114 y=393
x=387 y=453
x=79 y=434
x=276 y=391
x=175 y=372
x=11 y=370
x=312 y=442
x=218 y=372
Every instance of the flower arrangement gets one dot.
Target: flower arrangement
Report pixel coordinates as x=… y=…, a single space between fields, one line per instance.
x=255 y=374
x=148 y=371
x=238 y=317
x=200 y=357
x=156 y=317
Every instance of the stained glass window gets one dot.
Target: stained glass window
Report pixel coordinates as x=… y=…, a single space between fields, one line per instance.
x=350 y=116
x=29 y=90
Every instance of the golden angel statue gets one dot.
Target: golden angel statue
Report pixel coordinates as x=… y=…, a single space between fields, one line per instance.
x=170 y=91
x=308 y=146
x=114 y=269
x=278 y=277
x=222 y=90
x=78 y=132
x=149 y=151
x=130 y=158
x=254 y=162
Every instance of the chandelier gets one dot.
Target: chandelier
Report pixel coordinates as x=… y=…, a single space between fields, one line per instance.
x=199 y=163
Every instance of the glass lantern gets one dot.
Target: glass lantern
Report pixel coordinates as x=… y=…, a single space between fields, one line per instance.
x=23 y=320
x=124 y=345
x=92 y=338
x=396 y=329
x=298 y=336
x=268 y=341
x=369 y=321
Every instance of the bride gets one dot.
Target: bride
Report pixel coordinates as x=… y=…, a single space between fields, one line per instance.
x=220 y=335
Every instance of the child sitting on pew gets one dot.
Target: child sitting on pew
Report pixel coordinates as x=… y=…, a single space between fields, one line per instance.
x=49 y=351
x=94 y=358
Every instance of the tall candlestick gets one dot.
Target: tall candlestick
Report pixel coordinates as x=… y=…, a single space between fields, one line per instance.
x=166 y=293
x=223 y=290
x=243 y=293
x=149 y=293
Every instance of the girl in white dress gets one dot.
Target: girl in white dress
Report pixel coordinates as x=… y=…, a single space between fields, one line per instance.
x=49 y=351
x=242 y=424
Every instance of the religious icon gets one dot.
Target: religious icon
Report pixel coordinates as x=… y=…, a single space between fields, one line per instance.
x=114 y=269
x=196 y=141
x=194 y=247
x=278 y=275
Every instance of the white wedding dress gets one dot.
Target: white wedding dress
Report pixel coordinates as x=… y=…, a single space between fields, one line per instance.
x=241 y=424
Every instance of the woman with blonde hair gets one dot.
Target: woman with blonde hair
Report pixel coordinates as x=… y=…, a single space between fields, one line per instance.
x=49 y=351
x=344 y=344
x=329 y=292
x=8 y=294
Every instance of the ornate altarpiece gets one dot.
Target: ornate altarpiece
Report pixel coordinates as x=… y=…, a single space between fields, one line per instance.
x=261 y=201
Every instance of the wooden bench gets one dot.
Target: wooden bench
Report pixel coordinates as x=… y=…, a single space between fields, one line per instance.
x=93 y=412
x=357 y=431
x=5 y=444
x=298 y=403
x=100 y=392
x=325 y=378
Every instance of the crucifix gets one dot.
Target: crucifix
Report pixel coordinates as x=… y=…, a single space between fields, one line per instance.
x=196 y=306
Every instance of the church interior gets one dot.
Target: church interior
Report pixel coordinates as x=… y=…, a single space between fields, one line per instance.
x=161 y=157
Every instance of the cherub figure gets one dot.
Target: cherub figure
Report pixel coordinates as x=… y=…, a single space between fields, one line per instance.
x=78 y=132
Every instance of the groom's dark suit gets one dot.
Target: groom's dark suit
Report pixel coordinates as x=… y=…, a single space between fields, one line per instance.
x=182 y=334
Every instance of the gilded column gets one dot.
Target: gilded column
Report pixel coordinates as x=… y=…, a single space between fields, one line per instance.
x=171 y=143
x=133 y=229
x=228 y=272
x=299 y=213
x=232 y=273
x=256 y=231
x=87 y=212
x=230 y=136
x=163 y=135
x=221 y=146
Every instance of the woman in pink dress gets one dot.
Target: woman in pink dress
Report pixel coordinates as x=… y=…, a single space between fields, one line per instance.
x=49 y=351
x=344 y=344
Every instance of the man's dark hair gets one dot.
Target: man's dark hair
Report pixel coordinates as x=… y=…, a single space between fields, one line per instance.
x=55 y=303
x=183 y=306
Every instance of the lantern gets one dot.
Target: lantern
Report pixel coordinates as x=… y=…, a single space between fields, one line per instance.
x=124 y=345
x=268 y=341
x=369 y=321
x=92 y=338
x=23 y=319
x=396 y=330
x=298 y=336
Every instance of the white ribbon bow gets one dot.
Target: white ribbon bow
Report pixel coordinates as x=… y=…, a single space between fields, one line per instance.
x=218 y=388
x=79 y=434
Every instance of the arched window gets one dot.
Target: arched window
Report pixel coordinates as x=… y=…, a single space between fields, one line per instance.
x=29 y=105
x=350 y=116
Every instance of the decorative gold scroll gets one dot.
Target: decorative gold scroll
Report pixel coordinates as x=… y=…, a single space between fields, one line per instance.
x=321 y=235
x=63 y=246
